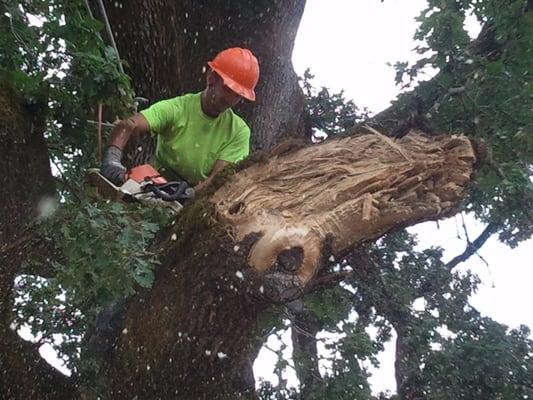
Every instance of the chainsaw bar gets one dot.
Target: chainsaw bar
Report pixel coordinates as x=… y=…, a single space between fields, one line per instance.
x=104 y=187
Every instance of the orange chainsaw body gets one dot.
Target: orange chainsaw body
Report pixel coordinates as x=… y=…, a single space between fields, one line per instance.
x=145 y=173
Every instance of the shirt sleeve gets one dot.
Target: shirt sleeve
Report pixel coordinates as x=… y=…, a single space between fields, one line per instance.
x=160 y=116
x=238 y=148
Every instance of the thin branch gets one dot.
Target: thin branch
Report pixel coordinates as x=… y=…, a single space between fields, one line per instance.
x=465 y=230
x=277 y=353
x=104 y=124
x=64 y=182
x=473 y=247
x=295 y=325
x=330 y=279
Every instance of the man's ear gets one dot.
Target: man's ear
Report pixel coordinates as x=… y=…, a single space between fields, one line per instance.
x=211 y=78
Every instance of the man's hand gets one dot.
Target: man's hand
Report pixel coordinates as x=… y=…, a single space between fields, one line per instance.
x=201 y=186
x=112 y=167
x=219 y=166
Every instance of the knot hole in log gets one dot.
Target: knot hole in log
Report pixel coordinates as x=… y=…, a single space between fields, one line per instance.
x=236 y=208
x=290 y=260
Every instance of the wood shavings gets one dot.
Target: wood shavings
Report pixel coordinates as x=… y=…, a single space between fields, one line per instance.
x=330 y=188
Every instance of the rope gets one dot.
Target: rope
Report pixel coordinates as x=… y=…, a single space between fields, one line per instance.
x=110 y=33
x=107 y=28
x=114 y=45
x=99 y=132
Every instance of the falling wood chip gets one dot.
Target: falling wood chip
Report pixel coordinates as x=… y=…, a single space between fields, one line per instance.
x=367 y=207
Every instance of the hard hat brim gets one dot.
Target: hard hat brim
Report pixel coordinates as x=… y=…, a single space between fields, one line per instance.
x=242 y=91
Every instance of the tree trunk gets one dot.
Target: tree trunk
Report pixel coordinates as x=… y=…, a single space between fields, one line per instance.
x=304 y=328
x=407 y=362
x=168 y=59
x=411 y=341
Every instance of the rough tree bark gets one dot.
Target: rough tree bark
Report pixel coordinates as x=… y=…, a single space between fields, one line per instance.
x=304 y=328
x=168 y=59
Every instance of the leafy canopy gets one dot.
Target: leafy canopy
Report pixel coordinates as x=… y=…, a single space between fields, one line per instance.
x=484 y=89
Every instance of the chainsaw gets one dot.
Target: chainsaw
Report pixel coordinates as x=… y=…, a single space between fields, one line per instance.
x=145 y=185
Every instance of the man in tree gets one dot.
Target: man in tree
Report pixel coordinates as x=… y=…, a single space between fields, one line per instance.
x=197 y=134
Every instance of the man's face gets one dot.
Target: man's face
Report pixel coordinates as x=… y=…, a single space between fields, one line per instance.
x=219 y=96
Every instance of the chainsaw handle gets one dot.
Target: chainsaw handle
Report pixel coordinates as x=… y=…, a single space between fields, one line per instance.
x=179 y=194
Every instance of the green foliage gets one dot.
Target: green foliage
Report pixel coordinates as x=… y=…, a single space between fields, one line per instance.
x=103 y=255
x=53 y=54
x=330 y=306
x=347 y=379
x=267 y=391
x=485 y=361
x=484 y=89
x=326 y=113
x=453 y=351
x=449 y=350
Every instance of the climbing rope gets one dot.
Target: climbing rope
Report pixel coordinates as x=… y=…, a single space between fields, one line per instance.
x=109 y=32
x=108 y=29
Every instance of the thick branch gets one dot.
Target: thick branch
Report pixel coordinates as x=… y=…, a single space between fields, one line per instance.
x=353 y=190
x=330 y=280
x=304 y=327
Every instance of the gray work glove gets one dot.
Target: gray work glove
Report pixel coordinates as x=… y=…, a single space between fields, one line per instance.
x=112 y=167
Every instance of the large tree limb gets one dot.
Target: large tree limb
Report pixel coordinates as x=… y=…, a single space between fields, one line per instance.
x=355 y=189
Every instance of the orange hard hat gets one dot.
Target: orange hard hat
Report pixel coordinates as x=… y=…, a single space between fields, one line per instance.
x=239 y=70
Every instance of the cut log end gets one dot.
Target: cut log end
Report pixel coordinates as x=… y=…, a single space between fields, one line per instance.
x=352 y=189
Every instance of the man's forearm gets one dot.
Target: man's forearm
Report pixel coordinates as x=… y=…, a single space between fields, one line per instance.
x=121 y=133
x=124 y=129
x=219 y=166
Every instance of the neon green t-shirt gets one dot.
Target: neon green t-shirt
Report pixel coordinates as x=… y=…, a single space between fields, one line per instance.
x=190 y=142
